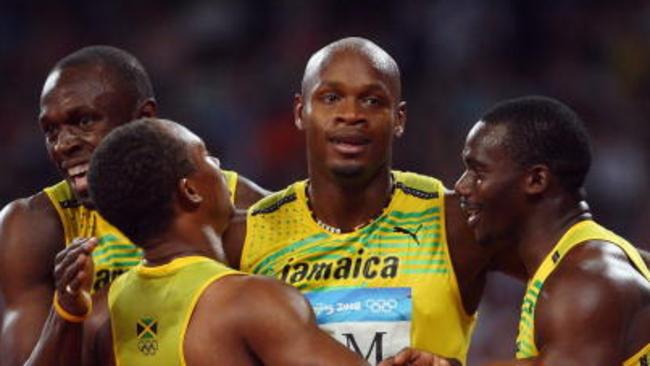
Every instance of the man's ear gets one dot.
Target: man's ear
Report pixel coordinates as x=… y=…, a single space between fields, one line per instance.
x=188 y=195
x=537 y=179
x=298 y=105
x=147 y=109
x=401 y=120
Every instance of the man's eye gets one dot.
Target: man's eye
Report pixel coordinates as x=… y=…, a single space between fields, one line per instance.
x=84 y=121
x=50 y=131
x=371 y=101
x=330 y=97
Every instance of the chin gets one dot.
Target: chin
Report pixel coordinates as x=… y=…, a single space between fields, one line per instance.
x=483 y=239
x=347 y=170
x=84 y=199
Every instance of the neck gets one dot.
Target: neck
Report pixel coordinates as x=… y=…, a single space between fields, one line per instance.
x=347 y=204
x=545 y=226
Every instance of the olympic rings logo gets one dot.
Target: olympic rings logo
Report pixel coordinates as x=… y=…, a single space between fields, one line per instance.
x=148 y=347
x=381 y=306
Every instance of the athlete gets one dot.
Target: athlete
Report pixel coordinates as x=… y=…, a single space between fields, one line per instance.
x=85 y=96
x=587 y=300
x=180 y=306
x=383 y=256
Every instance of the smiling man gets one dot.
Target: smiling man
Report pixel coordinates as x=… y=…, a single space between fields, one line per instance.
x=86 y=95
x=588 y=296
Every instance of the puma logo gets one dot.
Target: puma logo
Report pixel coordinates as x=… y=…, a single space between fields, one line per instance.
x=412 y=234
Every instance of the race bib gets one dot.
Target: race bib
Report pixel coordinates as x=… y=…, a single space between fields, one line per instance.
x=374 y=322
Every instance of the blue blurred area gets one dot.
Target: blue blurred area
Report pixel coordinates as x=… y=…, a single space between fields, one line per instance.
x=229 y=70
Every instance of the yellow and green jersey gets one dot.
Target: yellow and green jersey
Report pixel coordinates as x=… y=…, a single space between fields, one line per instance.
x=377 y=289
x=150 y=309
x=578 y=234
x=115 y=253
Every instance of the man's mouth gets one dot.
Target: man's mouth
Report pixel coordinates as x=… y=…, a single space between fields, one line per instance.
x=350 y=145
x=77 y=176
x=472 y=212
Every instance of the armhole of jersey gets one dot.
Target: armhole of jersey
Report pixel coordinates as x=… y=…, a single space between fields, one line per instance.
x=49 y=191
x=195 y=300
x=635 y=258
x=243 y=258
x=453 y=279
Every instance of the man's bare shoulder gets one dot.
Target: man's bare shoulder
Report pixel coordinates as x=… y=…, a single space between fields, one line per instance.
x=595 y=289
x=30 y=216
x=253 y=294
x=602 y=262
x=30 y=233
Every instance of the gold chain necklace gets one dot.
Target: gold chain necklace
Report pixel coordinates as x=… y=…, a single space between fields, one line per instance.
x=338 y=230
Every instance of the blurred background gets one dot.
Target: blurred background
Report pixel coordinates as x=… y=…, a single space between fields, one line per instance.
x=229 y=70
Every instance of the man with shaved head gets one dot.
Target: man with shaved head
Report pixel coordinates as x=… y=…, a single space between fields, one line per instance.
x=86 y=95
x=383 y=256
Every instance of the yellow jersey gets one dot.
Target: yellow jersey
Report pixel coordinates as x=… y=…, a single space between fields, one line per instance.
x=151 y=307
x=115 y=253
x=579 y=233
x=377 y=289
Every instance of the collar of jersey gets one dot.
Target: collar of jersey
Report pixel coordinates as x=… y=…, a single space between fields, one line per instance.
x=301 y=192
x=168 y=268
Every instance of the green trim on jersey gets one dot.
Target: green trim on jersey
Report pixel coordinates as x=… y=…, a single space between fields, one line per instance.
x=115 y=253
x=403 y=251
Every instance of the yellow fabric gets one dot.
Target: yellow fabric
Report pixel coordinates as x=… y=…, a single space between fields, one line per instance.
x=151 y=307
x=387 y=285
x=231 y=181
x=115 y=253
x=578 y=234
x=641 y=358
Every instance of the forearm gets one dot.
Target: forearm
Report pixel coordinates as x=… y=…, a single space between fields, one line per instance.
x=60 y=343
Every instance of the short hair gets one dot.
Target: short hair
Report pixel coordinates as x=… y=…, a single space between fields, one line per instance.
x=125 y=68
x=543 y=130
x=133 y=177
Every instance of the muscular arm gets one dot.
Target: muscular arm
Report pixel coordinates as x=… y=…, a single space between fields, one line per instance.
x=584 y=309
x=98 y=340
x=275 y=324
x=469 y=259
x=30 y=237
x=282 y=329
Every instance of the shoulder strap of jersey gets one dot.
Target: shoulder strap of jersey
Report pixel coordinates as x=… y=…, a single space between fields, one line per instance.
x=62 y=198
x=276 y=200
x=418 y=185
x=231 y=181
x=581 y=232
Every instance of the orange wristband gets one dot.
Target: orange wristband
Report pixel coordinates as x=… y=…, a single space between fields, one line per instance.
x=71 y=317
